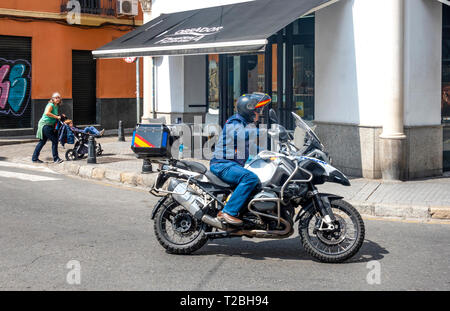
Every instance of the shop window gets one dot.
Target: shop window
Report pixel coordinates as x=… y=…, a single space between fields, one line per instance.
x=445 y=65
x=445 y=103
x=303 y=71
x=213 y=83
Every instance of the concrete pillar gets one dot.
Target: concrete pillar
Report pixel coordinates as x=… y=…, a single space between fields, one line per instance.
x=392 y=139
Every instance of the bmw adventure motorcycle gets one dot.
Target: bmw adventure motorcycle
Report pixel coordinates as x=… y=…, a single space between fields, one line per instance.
x=331 y=230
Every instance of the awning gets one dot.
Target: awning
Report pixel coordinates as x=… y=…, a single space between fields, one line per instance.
x=235 y=28
x=447 y=2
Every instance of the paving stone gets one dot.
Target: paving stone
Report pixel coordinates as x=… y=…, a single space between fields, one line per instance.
x=113 y=175
x=440 y=212
x=98 y=173
x=128 y=178
x=85 y=171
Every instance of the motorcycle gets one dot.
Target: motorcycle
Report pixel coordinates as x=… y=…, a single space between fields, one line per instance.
x=331 y=230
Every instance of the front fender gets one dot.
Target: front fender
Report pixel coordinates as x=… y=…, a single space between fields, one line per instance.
x=158 y=205
x=310 y=205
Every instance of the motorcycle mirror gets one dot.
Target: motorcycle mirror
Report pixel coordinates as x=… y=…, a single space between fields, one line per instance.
x=273 y=116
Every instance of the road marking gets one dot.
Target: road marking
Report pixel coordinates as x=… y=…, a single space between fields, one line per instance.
x=27 y=177
x=26 y=166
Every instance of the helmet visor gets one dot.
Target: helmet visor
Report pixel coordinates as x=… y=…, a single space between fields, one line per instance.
x=262 y=101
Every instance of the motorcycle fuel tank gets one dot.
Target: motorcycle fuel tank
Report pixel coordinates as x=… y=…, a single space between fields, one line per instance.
x=274 y=170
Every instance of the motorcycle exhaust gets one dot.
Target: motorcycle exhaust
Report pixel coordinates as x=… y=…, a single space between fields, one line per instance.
x=269 y=234
x=193 y=203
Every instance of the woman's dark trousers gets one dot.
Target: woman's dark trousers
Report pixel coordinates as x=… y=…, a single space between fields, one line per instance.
x=48 y=133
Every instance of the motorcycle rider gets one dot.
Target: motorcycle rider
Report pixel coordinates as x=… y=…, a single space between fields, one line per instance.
x=230 y=155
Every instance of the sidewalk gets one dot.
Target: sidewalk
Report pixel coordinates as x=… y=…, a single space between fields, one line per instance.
x=419 y=199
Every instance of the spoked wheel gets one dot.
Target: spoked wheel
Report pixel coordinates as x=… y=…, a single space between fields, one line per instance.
x=335 y=245
x=177 y=230
x=71 y=155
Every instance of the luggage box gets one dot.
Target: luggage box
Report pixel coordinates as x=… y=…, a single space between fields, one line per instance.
x=151 y=140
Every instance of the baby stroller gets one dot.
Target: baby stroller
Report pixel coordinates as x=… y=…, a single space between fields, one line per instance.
x=80 y=141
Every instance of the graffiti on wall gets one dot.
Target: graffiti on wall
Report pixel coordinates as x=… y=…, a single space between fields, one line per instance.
x=15 y=83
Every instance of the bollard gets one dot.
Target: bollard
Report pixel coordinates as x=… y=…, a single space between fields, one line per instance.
x=147 y=166
x=121 y=133
x=92 y=154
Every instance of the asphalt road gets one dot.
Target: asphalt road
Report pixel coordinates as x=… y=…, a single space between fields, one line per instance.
x=49 y=222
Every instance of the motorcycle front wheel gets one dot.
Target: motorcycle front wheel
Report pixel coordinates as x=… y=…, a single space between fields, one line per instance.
x=177 y=230
x=333 y=246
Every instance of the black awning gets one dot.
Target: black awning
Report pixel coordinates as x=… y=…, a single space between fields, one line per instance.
x=235 y=28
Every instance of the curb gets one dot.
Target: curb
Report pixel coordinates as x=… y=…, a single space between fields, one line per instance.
x=403 y=211
x=422 y=213
x=17 y=142
x=109 y=175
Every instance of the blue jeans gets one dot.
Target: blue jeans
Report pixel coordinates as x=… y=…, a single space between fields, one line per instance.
x=234 y=174
x=48 y=133
x=91 y=130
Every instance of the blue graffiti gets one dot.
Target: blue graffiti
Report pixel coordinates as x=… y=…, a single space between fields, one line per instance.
x=15 y=87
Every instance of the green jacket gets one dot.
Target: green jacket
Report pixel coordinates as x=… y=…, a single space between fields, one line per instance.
x=46 y=120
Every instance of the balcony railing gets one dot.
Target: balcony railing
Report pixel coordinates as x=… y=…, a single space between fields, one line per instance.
x=96 y=7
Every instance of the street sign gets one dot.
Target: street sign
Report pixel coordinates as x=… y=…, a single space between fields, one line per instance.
x=130 y=60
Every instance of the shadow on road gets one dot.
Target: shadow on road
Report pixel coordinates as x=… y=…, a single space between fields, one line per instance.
x=369 y=251
x=288 y=249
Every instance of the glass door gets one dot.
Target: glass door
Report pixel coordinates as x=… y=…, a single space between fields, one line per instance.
x=240 y=75
x=445 y=104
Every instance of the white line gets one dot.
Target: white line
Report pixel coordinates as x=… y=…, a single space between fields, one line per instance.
x=26 y=166
x=182 y=47
x=27 y=177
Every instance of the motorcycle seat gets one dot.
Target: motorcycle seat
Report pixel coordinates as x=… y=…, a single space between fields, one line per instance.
x=192 y=166
x=216 y=181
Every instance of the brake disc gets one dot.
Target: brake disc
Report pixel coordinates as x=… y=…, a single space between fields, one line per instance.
x=183 y=223
x=335 y=236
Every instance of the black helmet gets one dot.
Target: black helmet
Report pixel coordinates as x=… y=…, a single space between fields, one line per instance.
x=248 y=104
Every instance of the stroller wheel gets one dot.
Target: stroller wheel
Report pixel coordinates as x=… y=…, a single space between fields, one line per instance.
x=71 y=155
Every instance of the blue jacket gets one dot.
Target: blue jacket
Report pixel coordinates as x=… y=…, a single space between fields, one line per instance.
x=65 y=135
x=237 y=142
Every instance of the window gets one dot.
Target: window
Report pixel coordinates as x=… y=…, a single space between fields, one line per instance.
x=213 y=83
x=445 y=106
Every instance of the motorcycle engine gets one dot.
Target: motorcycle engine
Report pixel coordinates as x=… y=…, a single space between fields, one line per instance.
x=265 y=206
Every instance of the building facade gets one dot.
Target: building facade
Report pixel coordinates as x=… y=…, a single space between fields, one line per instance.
x=45 y=47
x=372 y=75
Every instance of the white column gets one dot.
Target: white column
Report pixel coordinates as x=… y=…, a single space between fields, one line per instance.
x=360 y=80
x=393 y=119
x=393 y=139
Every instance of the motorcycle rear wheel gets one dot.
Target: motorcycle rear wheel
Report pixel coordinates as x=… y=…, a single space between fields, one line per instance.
x=337 y=246
x=177 y=230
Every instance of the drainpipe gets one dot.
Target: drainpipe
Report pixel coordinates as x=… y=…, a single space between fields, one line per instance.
x=148 y=84
x=393 y=138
